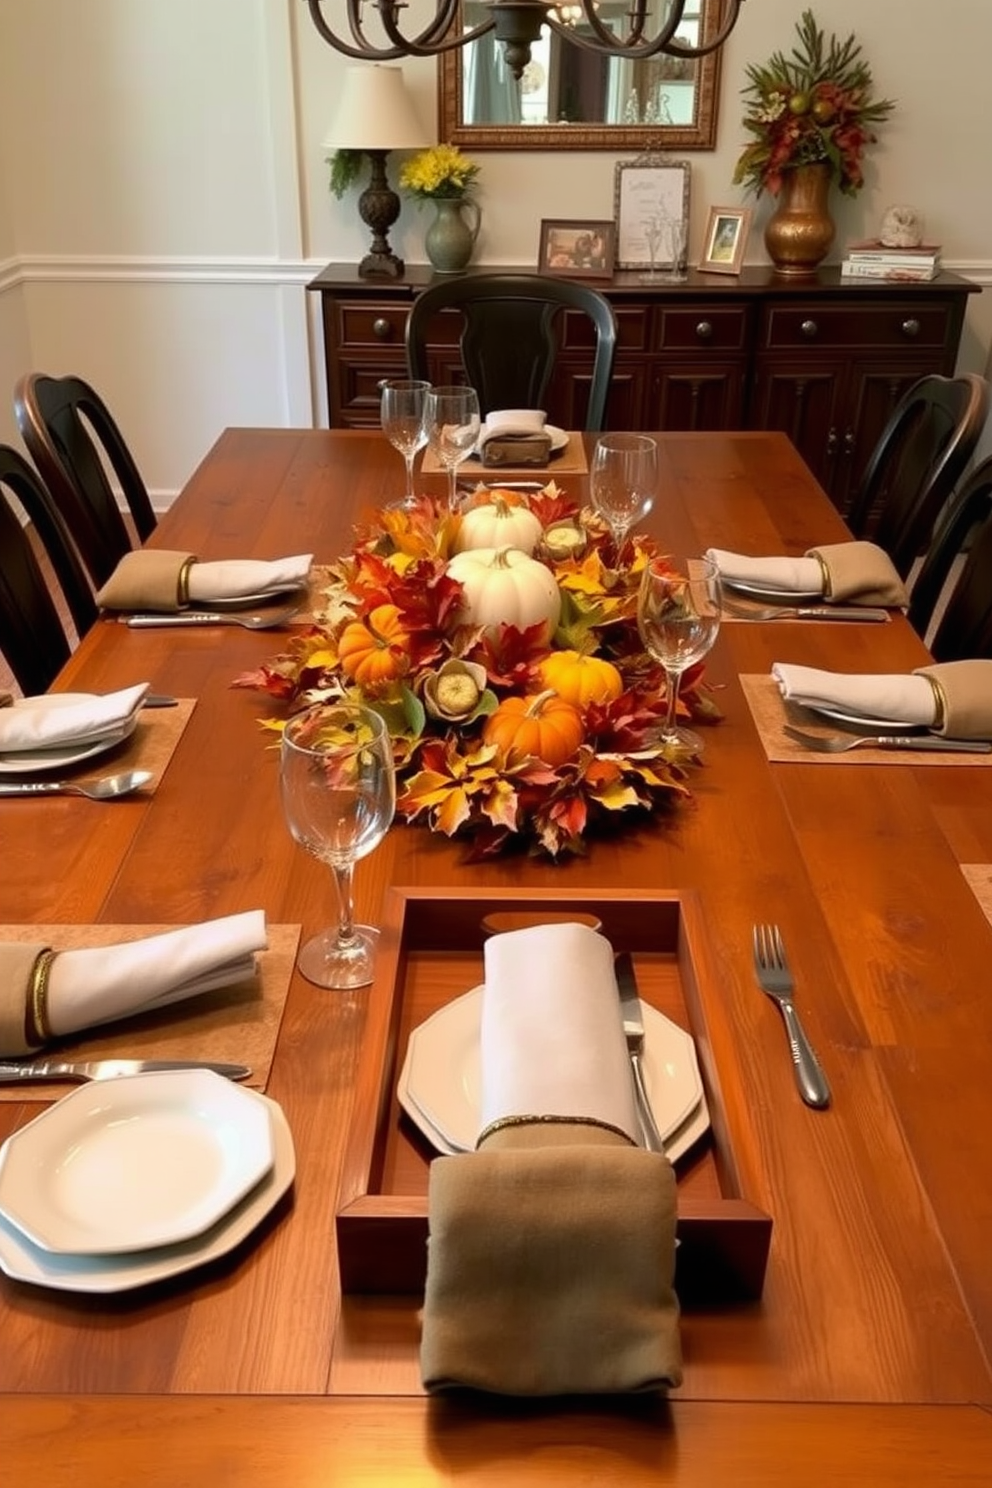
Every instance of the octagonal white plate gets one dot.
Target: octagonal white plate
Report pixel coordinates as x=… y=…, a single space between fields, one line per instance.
x=442 y=1077
x=96 y=1274
x=129 y=1164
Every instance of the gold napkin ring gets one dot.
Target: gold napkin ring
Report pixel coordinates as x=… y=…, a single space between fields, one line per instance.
x=824 y=571
x=940 y=702
x=506 y=1121
x=37 y=1029
x=182 y=584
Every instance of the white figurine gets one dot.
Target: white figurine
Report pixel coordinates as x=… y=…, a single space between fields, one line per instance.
x=902 y=227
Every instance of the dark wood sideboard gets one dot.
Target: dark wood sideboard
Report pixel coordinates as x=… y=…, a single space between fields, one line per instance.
x=823 y=359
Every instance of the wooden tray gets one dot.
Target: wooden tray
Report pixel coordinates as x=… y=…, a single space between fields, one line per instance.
x=430 y=952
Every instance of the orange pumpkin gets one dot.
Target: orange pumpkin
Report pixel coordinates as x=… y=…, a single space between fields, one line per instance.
x=544 y=727
x=580 y=679
x=374 y=651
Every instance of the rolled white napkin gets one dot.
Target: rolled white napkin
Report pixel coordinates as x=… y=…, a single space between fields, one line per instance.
x=237 y=578
x=899 y=697
x=52 y=720
x=100 y=983
x=552 y=1040
x=513 y=423
x=795 y=575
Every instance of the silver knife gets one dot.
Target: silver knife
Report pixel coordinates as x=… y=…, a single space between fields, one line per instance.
x=14 y=1072
x=633 y=1027
x=838 y=612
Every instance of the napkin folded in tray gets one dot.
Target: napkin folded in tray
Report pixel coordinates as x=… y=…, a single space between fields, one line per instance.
x=160 y=579
x=552 y=1246
x=45 y=722
x=515 y=436
x=843 y=573
x=98 y=984
x=952 y=698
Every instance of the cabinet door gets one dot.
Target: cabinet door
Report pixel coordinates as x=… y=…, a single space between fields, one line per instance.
x=805 y=400
x=874 y=389
x=696 y=397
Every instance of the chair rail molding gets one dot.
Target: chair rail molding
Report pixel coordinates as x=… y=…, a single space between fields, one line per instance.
x=128 y=269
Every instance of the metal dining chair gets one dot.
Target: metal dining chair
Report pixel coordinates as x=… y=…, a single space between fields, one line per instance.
x=67 y=428
x=963 y=627
x=920 y=457
x=510 y=336
x=23 y=481
x=33 y=641
x=962 y=517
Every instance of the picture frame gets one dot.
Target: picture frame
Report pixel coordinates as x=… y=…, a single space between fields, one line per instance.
x=725 y=240
x=577 y=248
x=651 y=194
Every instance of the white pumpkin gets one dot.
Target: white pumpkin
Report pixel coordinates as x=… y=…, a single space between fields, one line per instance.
x=498 y=525
x=502 y=586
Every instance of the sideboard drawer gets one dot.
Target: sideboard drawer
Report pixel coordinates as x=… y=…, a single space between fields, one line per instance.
x=700 y=328
x=910 y=325
x=367 y=325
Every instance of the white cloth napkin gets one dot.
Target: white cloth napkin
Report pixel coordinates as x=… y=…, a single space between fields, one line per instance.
x=552 y=1040
x=237 y=578
x=795 y=575
x=100 y=983
x=513 y=423
x=898 y=697
x=47 y=722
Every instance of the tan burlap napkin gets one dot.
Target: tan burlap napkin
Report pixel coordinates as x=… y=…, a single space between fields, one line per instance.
x=550 y=1266
x=965 y=691
x=841 y=572
x=166 y=581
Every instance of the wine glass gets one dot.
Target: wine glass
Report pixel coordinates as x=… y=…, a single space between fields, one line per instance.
x=453 y=424
x=338 y=796
x=678 y=616
x=653 y=233
x=403 y=413
x=623 y=480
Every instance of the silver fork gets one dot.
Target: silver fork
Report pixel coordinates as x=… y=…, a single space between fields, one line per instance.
x=840 y=743
x=803 y=612
x=775 y=978
x=260 y=620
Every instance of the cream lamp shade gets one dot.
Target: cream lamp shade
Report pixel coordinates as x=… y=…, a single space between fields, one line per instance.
x=376 y=115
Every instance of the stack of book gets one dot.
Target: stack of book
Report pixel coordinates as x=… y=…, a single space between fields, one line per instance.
x=872 y=259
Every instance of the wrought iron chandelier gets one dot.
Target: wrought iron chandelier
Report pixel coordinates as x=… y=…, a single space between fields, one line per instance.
x=518 y=23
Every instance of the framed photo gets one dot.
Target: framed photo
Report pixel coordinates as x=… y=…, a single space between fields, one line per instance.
x=651 y=206
x=726 y=238
x=579 y=250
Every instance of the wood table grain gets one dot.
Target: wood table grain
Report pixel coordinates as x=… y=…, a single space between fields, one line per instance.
x=867 y=1358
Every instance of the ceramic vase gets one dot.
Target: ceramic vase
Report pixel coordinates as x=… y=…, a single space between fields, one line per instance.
x=451 y=238
x=799 y=233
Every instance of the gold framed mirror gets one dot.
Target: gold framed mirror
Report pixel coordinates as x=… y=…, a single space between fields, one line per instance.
x=570 y=98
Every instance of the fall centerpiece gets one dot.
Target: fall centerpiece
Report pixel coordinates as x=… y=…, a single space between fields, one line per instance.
x=811 y=116
x=444 y=176
x=500 y=644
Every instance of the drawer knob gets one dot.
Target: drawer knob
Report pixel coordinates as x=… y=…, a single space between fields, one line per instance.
x=911 y=327
x=809 y=329
x=704 y=330
x=382 y=328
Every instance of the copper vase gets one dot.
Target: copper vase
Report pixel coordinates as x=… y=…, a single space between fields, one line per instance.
x=799 y=233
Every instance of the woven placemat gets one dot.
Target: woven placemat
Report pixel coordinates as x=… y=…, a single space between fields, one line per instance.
x=569 y=461
x=770 y=712
x=236 y=1025
x=150 y=747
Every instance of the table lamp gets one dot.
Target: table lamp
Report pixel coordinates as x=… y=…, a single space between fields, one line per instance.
x=376 y=115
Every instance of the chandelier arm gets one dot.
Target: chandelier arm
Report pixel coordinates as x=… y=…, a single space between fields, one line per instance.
x=417 y=46
x=607 y=42
x=424 y=45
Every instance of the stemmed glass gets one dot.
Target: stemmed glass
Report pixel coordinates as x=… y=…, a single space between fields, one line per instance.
x=653 y=233
x=338 y=796
x=678 y=616
x=623 y=480
x=403 y=413
x=453 y=424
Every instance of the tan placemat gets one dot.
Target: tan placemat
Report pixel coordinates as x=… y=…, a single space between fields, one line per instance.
x=150 y=747
x=979 y=877
x=237 y=1024
x=569 y=461
x=770 y=712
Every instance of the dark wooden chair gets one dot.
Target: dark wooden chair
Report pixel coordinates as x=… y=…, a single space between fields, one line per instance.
x=510 y=336
x=19 y=477
x=67 y=427
x=32 y=637
x=920 y=457
x=964 y=628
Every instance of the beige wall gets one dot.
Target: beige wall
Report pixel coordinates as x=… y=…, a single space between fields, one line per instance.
x=165 y=202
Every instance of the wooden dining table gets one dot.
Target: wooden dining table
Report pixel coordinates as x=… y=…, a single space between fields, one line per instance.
x=866 y=1357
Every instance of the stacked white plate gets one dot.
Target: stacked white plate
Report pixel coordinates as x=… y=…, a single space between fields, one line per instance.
x=63 y=756
x=130 y=1180
x=440 y=1084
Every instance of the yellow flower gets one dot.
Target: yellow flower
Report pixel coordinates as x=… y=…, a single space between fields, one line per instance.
x=441 y=171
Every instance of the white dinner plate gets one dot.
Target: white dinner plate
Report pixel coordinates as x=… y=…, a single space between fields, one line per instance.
x=62 y=757
x=23 y=1261
x=245 y=601
x=128 y=1164
x=772 y=592
x=861 y=720
x=559 y=439
x=444 y=1076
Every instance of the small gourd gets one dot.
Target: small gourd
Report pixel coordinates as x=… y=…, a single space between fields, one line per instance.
x=579 y=679
x=542 y=727
x=498 y=525
x=373 y=652
x=502 y=586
